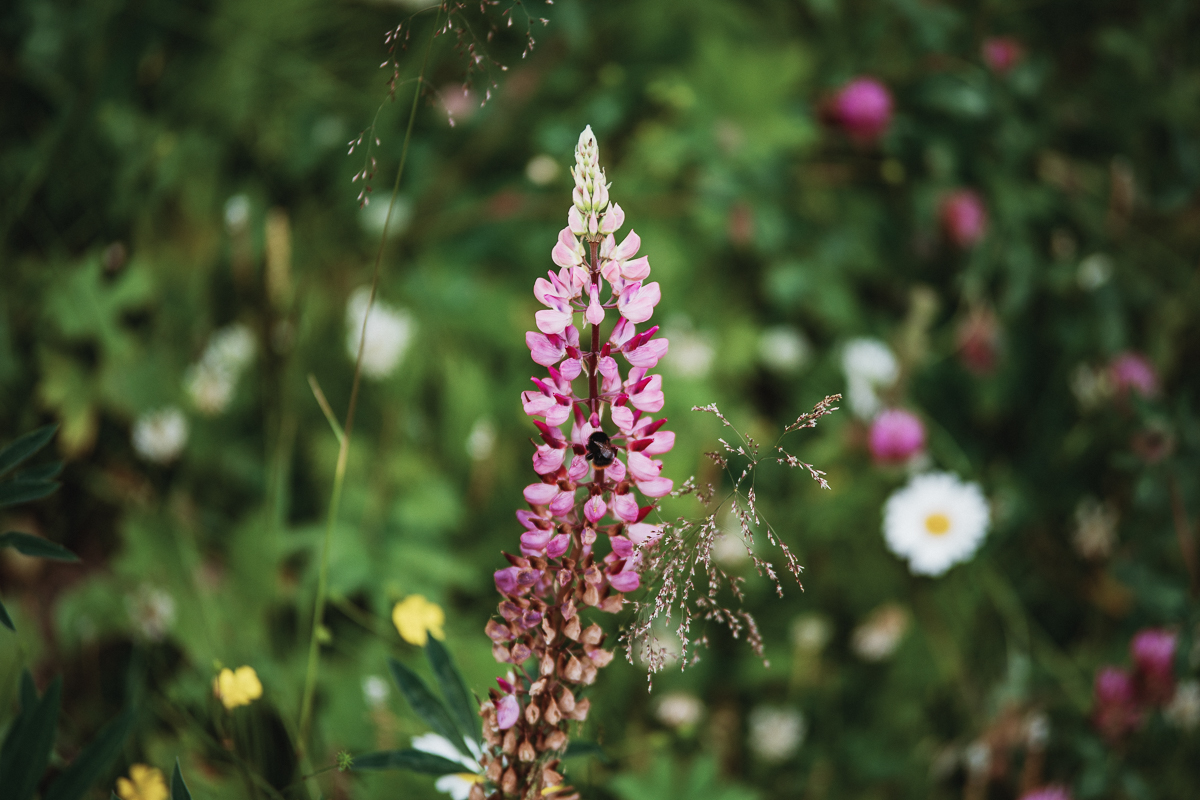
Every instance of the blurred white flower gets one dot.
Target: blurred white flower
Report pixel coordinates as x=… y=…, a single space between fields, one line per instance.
x=375 y=691
x=660 y=649
x=481 y=441
x=679 y=710
x=459 y=102
x=237 y=213
x=159 y=436
x=210 y=382
x=1037 y=730
x=389 y=331
x=878 y=636
x=458 y=785
x=869 y=366
x=935 y=522
x=542 y=170
x=1184 y=709
x=373 y=216
x=810 y=633
x=784 y=349
x=1090 y=386
x=691 y=355
x=152 y=612
x=1095 y=528
x=776 y=733
x=1094 y=271
x=978 y=757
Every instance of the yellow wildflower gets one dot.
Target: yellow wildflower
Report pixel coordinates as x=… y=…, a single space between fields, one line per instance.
x=143 y=783
x=238 y=687
x=414 y=617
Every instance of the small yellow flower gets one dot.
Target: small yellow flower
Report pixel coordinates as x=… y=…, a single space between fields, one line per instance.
x=414 y=617
x=238 y=687
x=143 y=783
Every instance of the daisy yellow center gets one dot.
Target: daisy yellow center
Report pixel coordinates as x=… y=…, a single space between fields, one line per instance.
x=937 y=524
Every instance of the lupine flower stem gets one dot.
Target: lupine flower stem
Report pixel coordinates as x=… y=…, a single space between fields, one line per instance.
x=339 y=475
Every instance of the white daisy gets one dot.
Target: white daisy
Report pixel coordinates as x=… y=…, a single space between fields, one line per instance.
x=935 y=522
x=159 y=436
x=389 y=331
x=679 y=710
x=457 y=785
x=869 y=366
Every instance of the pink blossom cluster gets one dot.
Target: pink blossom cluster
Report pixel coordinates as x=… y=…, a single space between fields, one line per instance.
x=1122 y=697
x=964 y=218
x=862 y=108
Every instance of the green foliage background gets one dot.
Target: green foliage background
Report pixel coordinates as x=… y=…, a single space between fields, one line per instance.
x=129 y=124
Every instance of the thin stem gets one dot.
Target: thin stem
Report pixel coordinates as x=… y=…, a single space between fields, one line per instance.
x=594 y=356
x=339 y=475
x=1183 y=532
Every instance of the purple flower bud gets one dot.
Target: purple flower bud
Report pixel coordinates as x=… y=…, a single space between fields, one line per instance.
x=896 y=435
x=506 y=580
x=1048 y=793
x=624 y=581
x=1115 y=710
x=558 y=545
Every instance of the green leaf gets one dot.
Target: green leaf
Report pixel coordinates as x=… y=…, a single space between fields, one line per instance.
x=21 y=491
x=95 y=759
x=179 y=790
x=25 y=446
x=6 y=620
x=579 y=748
x=454 y=689
x=412 y=760
x=46 y=472
x=428 y=707
x=30 y=545
x=26 y=749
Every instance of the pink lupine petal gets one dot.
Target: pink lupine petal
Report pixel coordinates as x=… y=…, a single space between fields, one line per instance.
x=627 y=248
x=595 y=312
x=610 y=270
x=662 y=442
x=508 y=711
x=616 y=470
x=535 y=540
x=608 y=367
x=622 y=332
x=539 y=494
x=506 y=580
x=558 y=413
x=558 y=545
x=575 y=221
x=650 y=399
x=610 y=385
x=562 y=504
x=613 y=220
x=643 y=468
x=571 y=368
x=624 y=581
x=622 y=546
x=553 y=320
x=622 y=417
x=547 y=459
x=643 y=533
x=545 y=350
x=636 y=270
x=505 y=685
x=550 y=435
x=595 y=509
x=546 y=293
x=638 y=300
x=648 y=354
x=531 y=521
x=579 y=469
x=564 y=256
x=625 y=507
x=536 y=403
x=656 y=487
x=572 y=334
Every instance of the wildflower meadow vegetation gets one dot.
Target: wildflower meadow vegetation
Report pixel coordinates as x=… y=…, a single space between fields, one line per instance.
x=630 y=401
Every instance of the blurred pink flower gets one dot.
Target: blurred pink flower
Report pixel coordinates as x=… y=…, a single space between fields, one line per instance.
x=896 y=435
x=1153 y=651
x=978 y=338
x=963 y=217
x=1048 y=793
x=1002 y=53
x=863 y=109
x=1115 y=711
x=1131 y=371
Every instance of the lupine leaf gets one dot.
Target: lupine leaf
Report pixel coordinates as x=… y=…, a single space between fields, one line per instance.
x=427 y=706
x=27 y=747
x=579 y=748
x=21 y=491
x=179 y=790
x=46 y=472
x=412 y=760
x=454 y=689
x=29 y=545
x=96 y=757
x=5 y=619
x=25 y=446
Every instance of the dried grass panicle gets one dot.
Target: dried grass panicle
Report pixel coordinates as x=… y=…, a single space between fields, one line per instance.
x=680 y=570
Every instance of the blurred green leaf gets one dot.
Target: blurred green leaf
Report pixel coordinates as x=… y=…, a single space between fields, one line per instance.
x=20 y=491
x=412 y=760
x=36 y=546
x=179 y=789
x=454 y=690
x=87 y=767
x=25 y=446
x=26 y=749
x=5 y=619
x=424 y=703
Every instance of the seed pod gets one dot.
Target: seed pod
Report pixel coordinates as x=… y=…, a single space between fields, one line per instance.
x=573 y=671
x=532 y=714
x=551 y=778
x=494 y=770
x=612 y=604
x=526 y=752
x=476 y=793
x=546 y=667
x=538 y=686
x=566 y=701
x=509 y=784
x=589 y=673
x=592 y=636
x=553 y=717
x=571 y=629
x=497 y=632
x=500 y=653
x=581 y=710
x=591 y=596
x=520 y=653
x=548 y=629
x=601 y=658
x=557 y=740
x=510 y=742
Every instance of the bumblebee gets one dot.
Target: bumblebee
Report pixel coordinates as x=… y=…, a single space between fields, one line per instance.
x=600 y=451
